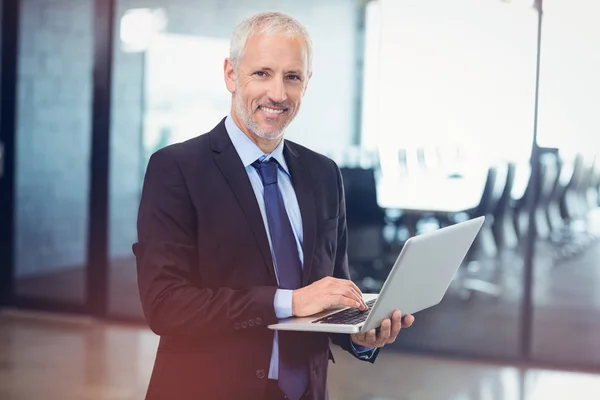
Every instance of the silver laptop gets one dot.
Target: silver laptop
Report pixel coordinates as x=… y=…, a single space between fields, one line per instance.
x=418 y=280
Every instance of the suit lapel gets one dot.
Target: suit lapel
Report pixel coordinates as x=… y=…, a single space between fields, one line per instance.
x=301 y=181
x=231 y=166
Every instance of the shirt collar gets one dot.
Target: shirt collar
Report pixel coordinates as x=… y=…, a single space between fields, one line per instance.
x=248 y=150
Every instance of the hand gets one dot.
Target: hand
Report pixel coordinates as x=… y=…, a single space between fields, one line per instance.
x=387 y=332
x=325 y=293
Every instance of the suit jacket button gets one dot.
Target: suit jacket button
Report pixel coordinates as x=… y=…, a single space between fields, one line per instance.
x=244 y=324
x=260 y=373
x=251 y=323
x=258 y=321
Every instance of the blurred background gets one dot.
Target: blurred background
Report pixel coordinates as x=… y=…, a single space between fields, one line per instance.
x=436 y=111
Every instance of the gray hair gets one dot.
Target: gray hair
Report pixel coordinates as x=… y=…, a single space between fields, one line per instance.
x=267 y=23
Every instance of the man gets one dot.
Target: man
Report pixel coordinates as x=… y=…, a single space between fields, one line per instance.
x=238 y=228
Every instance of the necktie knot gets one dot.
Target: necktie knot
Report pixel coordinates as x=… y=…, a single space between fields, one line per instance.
x=267 y=171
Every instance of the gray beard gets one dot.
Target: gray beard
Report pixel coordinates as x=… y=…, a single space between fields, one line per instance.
x=251 y=123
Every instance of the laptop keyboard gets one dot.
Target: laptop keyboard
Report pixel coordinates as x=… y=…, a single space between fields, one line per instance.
x=348 y=316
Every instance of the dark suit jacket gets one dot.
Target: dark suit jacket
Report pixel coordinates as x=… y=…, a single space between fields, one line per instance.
x=205 y=272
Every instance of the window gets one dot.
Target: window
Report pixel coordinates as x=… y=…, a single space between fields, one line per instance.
x=450 y=72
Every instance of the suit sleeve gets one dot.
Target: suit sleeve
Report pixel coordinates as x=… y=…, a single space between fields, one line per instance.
x=341 y=270
x=173 y=300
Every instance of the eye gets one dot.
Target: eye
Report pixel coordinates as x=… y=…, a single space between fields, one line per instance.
x=260 y=73
x=294 y=77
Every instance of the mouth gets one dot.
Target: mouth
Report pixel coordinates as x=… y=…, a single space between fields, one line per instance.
x=272 y=111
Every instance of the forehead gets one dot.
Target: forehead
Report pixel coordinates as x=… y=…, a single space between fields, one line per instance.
x=277 y=50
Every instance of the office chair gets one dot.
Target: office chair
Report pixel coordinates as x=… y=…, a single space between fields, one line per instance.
x=503 y=230
x=367 y=247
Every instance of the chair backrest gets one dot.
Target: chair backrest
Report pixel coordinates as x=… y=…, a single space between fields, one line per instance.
x=549 y=174
x=521 y=183
x=503 y=204
x=498 y=189
x=566 y=209
x=596 y=173
x=565 y=175
x=487 y=195
x=595 y=184
x=520 y=203
x=360 y=189
x=403 y=161
x=587 y=174
x=431 y=160
x=578 y=167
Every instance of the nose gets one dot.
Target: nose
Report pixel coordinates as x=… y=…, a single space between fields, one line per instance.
x=277 y=92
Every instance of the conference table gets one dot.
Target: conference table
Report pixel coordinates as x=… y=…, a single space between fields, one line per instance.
x=419 y=195
x=425 y=193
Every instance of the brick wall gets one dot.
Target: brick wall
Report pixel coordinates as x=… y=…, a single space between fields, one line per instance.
x=54 y=112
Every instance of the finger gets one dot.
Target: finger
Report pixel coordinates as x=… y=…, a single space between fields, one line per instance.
x=347 y=283
x=384 y=332
x=357 y=290
x=341 y=300
x=360 y=338
x=371 y=338
x=350 y=292
x=407 y=321
x=347 y=292
x=396 y=326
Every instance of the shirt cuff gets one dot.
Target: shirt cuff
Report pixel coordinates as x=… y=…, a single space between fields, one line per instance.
x=362 y=352
x=283 y=303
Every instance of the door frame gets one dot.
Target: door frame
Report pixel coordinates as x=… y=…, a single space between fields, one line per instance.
x=96 y=274
x=97 y=271
x=9 y=27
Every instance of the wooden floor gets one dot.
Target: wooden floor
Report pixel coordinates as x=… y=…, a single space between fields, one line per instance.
x=44 y=356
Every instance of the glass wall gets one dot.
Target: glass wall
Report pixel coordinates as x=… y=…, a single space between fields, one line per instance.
x=168 y=86
x=449 y=108
x=446 y=125
x=567 y=301
x=53 y=150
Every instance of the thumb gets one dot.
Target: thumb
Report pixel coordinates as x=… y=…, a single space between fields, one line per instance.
x=358 y=337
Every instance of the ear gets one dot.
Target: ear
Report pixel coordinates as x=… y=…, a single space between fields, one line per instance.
x=229 y=73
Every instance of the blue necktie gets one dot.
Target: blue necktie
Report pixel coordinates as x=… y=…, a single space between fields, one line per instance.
x=293 y=370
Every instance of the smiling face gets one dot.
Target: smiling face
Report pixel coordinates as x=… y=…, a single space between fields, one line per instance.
x=268 y=85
